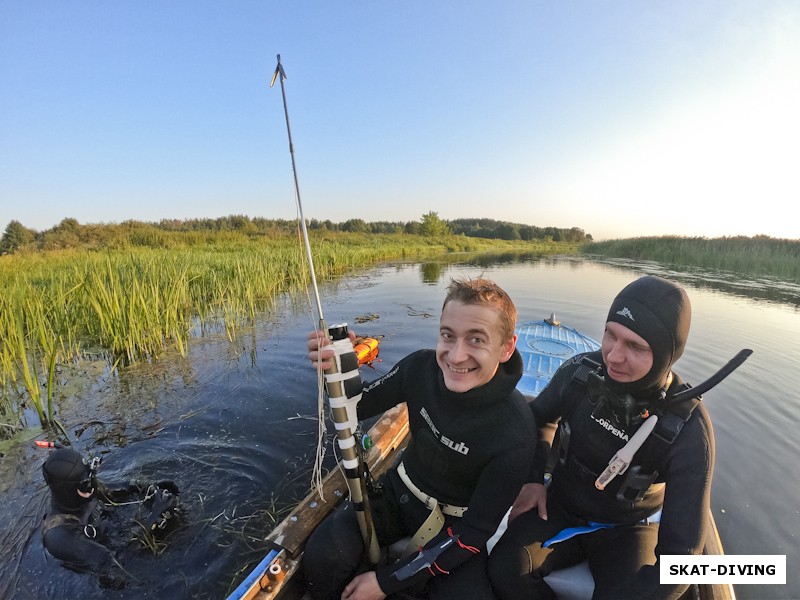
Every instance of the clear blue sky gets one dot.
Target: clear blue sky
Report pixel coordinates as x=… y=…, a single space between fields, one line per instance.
x=623 y=118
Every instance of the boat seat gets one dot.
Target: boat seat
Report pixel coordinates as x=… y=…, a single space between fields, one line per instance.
x=573 y=583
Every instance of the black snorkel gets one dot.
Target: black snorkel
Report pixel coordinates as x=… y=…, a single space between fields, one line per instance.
x=626 y=410
x=699 y=390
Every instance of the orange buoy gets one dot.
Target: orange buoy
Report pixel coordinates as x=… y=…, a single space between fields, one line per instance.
x=366 y=350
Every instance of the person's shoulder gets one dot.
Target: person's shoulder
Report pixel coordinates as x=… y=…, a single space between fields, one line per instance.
x=412 y=365
x=574 y=370
x=61 y=532
x=519 y=412
x=700 y=421
x=591 y=360
x=419 y=357
x=696 y=436
x=699 y=418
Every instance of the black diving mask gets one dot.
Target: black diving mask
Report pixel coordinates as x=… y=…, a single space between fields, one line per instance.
x=89 y=482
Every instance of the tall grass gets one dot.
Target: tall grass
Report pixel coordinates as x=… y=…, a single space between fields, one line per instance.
x=136 y=302
x=759 y=255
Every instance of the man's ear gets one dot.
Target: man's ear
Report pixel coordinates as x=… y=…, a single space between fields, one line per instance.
x=508 y=348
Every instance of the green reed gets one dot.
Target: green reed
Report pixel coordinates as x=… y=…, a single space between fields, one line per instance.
x=34 y=335
x=136 y=302
x=759 y=255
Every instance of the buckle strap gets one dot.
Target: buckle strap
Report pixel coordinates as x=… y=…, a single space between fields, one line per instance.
x=58 y=519
x=429 y=501
x=429 y=529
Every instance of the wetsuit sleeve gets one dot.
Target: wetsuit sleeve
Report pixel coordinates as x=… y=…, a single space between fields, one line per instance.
x=498 y=486
x=547 y=409
x=687 y=500
x=383 y=393
x=114 y=492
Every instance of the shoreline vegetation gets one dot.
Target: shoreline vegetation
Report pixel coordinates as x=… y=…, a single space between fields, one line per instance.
x=146 y=290
x=128 y=292
x=760 y=255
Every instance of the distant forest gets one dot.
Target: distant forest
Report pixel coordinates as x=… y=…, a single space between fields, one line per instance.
x=69 y=233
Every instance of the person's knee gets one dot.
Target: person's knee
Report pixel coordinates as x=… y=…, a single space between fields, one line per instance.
x=505 y=568
x=332 y=555
x=468 y=580
x=514 y=574
x=506 y=559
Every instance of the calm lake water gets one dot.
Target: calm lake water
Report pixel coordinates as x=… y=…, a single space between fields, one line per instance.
x=234 y=423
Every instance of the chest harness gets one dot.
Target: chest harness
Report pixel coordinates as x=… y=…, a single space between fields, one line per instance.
x=640 y=476
x=53 y=521
x=672 y=416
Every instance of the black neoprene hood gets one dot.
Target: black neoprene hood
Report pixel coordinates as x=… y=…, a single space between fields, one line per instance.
x=64 y=465
x=660 y=312
x=63 y=471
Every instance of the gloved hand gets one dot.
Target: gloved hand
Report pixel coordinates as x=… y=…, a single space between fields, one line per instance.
x=169 y=486
x=165 y=505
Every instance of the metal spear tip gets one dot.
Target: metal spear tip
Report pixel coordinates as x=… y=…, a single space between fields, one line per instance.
x=278 y=71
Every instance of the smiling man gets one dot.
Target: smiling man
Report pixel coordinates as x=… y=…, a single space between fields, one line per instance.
x=599 y=401
x=472 y=443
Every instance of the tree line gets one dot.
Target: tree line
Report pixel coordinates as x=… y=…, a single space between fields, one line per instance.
x=69 y=233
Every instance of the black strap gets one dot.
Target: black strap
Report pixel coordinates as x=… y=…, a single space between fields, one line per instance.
x=578 y=384
x=57 y=520
x=574 y=394
x=675 y=415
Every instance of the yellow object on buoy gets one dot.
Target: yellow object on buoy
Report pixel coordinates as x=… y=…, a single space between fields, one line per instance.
x=366 y=350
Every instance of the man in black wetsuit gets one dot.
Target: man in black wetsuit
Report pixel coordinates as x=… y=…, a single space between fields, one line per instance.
x=599 y=401
x=472 y=441
x=69 y=533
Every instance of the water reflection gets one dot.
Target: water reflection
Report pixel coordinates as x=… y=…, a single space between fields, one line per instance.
x=432 y=272
x=765 y=288
x=770 y=289
x=234 y=422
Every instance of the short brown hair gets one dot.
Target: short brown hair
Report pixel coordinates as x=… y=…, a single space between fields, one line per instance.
x=486 y=292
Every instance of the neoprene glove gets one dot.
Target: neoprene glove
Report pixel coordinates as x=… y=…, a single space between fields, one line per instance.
x=165 y=503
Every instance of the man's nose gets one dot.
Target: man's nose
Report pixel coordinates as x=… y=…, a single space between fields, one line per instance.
x=615 y=353
x=458 y=351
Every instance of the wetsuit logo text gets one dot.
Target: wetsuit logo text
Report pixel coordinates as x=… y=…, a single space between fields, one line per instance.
x=607 y=425
x=459 y=447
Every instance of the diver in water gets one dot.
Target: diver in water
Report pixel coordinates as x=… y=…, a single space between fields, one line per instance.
x=77 y=500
